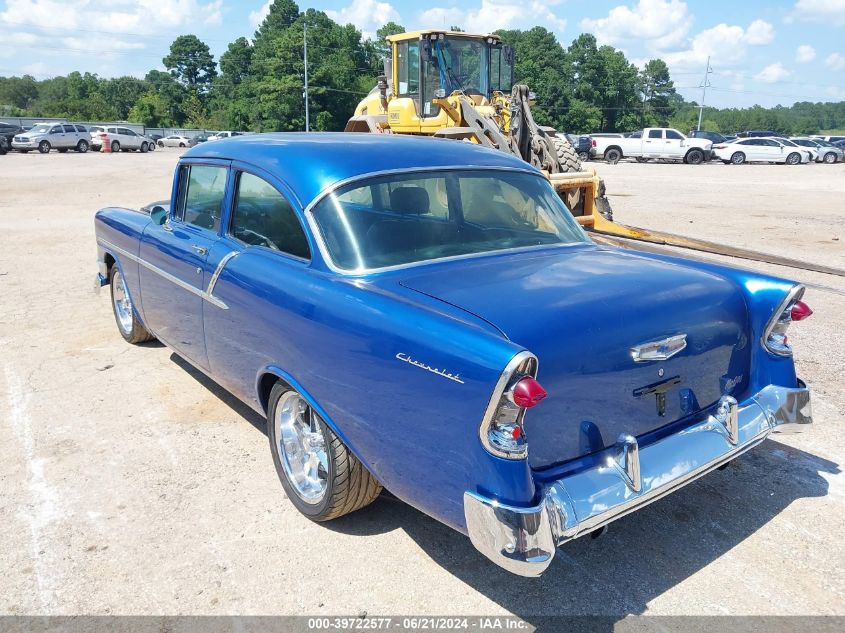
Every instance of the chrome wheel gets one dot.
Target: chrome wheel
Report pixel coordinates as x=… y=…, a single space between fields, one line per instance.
x=301 y=447
x=122 y=304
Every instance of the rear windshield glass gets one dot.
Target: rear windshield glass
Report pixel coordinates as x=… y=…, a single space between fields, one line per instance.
x=407 y=218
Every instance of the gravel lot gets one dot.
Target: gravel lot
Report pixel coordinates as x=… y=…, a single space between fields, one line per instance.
x=132 y=485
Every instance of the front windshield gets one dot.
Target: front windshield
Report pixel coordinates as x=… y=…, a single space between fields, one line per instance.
x=40 y=129
x=459 y=64
x=414 y=217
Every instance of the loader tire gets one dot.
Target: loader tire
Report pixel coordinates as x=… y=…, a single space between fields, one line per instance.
x=566 y=154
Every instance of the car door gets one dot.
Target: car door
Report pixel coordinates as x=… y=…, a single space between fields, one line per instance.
x=770 y=150
x=131 y=140
x=261 y=276
x=71 y=136
x=174 y=256
x=673 y=144
x=653 y=144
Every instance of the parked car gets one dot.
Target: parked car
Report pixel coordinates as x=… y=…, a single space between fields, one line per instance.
x=839 y=144
x=350 y=288
x=221 y=135
x=59 y=136
x=177 y=140
x=8 y=131
x=829 y=139
x=121 y=139
x=200 y=138
x=665 y=143
x=761 y=150
x=713 y=137
x=584 y=146
x=825 y=152
x=757 y=134
x=606 y=135
x=155 y=137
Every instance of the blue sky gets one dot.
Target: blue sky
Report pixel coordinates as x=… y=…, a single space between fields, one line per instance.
x=766 y=52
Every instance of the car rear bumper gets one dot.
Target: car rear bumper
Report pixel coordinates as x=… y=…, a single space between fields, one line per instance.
x=523 y=539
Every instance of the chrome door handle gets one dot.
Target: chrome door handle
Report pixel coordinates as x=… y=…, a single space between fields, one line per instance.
x=200 y=250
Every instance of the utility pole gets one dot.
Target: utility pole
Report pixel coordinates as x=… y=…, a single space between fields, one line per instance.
x=704 y=85
x=305 y=92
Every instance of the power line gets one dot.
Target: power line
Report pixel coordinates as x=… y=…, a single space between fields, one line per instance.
x=704 y=85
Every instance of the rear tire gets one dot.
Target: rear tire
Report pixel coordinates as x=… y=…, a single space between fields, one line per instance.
x=566 y=154
x=583 y=157
x=125 y=315
x=298 y=435
x=737 y=158
x=793 y=159
x=181 y=145
x=694 y=157
x=613 y=155
x=82 y=147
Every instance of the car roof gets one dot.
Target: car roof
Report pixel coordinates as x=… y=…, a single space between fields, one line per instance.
x=309 y=162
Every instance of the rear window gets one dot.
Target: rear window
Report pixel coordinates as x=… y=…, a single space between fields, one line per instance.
x=407 y=218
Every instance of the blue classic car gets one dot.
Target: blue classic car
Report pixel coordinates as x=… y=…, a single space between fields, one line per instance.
x=426 y=316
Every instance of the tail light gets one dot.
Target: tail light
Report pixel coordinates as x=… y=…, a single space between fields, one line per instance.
x=501 y=431
x=593 y=141
x=791 y=309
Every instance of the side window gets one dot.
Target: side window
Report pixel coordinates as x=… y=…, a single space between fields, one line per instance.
x=79 y=128
x=56 y=129
x=409 y=69
x=655 y=133
x=202 y=201
x=70 y=129
x=125 y=131
x=672 y=134
x=263 y=217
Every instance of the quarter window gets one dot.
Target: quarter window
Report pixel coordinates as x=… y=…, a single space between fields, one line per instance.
x=263 y=217
x=204 y=188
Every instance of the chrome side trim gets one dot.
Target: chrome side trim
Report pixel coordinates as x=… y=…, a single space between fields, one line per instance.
x=493 y=404
x=632 y=478
x=225 y=260
x=163 y=273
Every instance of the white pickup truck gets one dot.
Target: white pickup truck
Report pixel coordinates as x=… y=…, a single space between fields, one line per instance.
x=655 y=142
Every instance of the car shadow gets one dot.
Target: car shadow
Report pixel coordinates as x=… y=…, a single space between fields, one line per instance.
x=236 y=405
x=642 y=555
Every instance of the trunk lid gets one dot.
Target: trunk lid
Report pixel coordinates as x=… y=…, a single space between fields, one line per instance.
x=581 y=310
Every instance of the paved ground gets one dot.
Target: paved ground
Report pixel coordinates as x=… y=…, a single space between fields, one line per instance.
x=131 y=484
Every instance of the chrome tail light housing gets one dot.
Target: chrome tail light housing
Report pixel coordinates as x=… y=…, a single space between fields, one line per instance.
x=501 y=431
x=790 y=309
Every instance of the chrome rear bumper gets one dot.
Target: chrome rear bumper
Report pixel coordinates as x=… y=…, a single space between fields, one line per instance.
x=523 y=539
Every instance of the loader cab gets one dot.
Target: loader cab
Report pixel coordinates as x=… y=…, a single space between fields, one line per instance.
x=433 y=64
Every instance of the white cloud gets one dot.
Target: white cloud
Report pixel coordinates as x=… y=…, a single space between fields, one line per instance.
x=772 y=73
x=367 y=15
x=724 y=44
x=662 y=23
x=830 y=11
x=805 y=54
x=759 y=32
x=257 y=17
x=495 y=14
x=835 y=61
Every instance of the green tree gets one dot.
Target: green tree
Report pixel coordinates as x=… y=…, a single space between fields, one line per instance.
x=191 y=63
x=657 y=89
x=152 y=110
x=382 y=48
x=235 y=62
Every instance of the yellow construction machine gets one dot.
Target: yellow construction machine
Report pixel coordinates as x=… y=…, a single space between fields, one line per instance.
x=458 y=85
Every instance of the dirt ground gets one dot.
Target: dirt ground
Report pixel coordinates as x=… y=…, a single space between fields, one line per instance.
x=130 y=484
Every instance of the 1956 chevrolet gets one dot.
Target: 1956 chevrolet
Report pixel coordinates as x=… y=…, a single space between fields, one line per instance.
x=427 y=316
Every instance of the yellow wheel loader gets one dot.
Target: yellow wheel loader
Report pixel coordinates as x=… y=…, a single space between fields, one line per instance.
x=460 y=86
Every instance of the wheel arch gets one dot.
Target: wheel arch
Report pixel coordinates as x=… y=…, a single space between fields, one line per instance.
x=617 y=148
x=270 y=375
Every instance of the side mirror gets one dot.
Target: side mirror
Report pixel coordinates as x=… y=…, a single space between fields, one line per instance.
x=158 y=215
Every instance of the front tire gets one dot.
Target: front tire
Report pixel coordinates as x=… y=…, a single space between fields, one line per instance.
x=321 y=477
x=128 y=323
x=829 y=158
x=181 y=145
x=144 y=148
x=793 y=159
x=151 y=147
x=44 y=147
x=694 y=157
x=115 y=146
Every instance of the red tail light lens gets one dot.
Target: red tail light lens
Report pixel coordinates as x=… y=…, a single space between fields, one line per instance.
x=800 y=311
x=593 y=141
x=528 y=392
